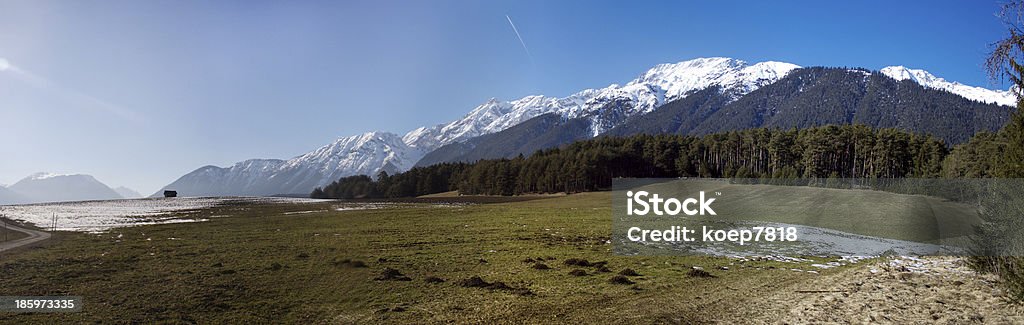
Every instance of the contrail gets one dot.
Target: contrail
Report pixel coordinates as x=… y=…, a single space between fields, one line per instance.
x=514 y=29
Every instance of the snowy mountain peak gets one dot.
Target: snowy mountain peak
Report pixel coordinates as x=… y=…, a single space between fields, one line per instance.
x=689 y=70
x=45 y=175
x=416 y=134
x=374 y=136
x=258 y=164
x=763 y=73
x=660 y=84
x=926 y=79
x=364 y=154
x=679 y=79
x=900 y=72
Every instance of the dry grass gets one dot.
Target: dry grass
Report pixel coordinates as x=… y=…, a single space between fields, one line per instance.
x=259 y=265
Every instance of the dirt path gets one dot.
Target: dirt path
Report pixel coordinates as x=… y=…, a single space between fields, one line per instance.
x=898 y=290
x=33 y=236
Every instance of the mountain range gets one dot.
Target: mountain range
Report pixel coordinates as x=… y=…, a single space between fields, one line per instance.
x=48 y=187
x=697 y=96
x=127 y=192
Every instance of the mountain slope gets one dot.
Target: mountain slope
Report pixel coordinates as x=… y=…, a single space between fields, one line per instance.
x=8 y=196
x=541 y=132
x=127 y=192
x=537 y=122
x=676 y=117
x=818 y=96
x=45 y=187
x=243 y=178
x=805 y=97
x=367 y=154
x=662 y=83
x=926 y=79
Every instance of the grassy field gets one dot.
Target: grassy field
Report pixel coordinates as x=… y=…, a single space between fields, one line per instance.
x=261 y=263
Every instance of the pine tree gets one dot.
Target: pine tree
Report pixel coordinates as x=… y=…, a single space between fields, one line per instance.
x=1013 y=133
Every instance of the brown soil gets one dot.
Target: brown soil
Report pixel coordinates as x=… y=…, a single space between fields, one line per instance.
x=349 y=263
x=628 y=272
x=433 y=279
x=620 y=279
x=389 y=274
x=477 y=282
x=578 y=272
x=699 y=273
x=577 y=262
x=899 y=290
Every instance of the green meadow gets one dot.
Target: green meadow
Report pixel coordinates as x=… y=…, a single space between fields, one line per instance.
x=542 y=260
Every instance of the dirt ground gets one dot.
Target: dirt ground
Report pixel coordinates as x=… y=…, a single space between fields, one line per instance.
x=899 y=290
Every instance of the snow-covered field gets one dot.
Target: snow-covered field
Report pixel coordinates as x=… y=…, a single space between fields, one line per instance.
x=98 y=216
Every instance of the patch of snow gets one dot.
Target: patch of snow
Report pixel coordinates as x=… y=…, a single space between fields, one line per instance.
x=363 y=206
x=99 y=216
x=302 y=212
x=45 y=175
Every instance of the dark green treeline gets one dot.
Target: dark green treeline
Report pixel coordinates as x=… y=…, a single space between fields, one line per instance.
x=848 y=151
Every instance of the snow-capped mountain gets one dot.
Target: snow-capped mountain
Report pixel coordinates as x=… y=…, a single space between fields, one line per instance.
x=48 y=187
x=661 y=84
x=924 y=78
x=365 y=154
x=370 y=153
x=247 y=177
x=604 y=108
x=679 y=79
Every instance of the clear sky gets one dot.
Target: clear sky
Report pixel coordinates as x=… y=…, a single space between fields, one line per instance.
x=138 y=93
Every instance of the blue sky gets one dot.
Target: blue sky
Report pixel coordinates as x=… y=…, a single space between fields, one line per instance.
x=138 y=93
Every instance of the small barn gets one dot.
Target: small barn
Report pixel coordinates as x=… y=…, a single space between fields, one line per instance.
x=170 y=193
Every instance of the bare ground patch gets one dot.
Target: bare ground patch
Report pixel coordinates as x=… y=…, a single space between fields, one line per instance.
x=897 y=290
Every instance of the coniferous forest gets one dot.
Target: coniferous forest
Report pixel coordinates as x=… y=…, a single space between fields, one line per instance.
x=848 y=151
